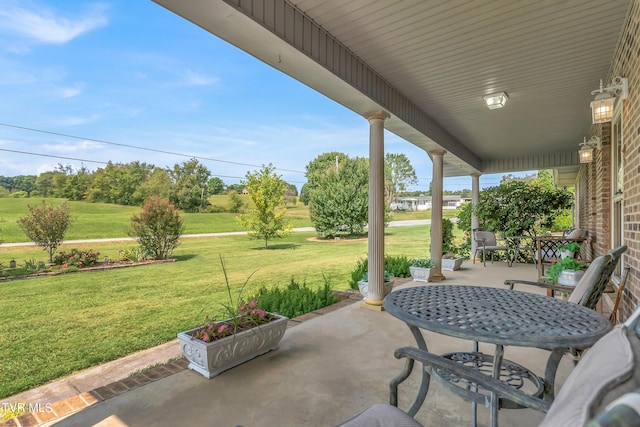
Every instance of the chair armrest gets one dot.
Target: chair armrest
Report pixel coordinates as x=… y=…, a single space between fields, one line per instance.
x=472 y=375
x=512 y=282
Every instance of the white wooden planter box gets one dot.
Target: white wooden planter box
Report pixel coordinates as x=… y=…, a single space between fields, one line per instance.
x=212 y=358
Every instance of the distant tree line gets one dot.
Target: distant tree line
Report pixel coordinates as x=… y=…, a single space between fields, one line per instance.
x=187 y=185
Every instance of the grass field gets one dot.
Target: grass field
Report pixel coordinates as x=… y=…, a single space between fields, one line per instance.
x=103 y=220
x=54 y=326
x=57 y=325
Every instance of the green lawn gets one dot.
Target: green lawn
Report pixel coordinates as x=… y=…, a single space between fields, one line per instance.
x=54 y=326
x=103 y=220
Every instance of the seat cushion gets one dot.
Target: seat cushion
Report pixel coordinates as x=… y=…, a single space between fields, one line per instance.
x=382 y=415
x=622 y=412
x=607 y=371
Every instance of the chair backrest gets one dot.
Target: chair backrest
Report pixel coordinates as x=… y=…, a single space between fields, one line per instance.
x=576 y=233
x=609 y=370
x=488 y=237
x=589 y=282
x=590 y=288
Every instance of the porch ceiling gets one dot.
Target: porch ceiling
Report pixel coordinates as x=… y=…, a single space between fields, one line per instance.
x=430 y=63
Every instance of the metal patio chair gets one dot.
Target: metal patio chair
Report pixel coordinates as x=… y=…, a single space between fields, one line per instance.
x=599 y=392
x=486 y=241
x=591 y=286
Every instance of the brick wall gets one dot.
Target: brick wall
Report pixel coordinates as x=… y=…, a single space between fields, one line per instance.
x=595 y=180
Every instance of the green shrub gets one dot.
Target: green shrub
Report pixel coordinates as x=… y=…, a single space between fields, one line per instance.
x=396 y=266
x=157 y=228
x=20 y=194
x=76 y=257
x=131 y=254
x=358 y=272
x=294 y=300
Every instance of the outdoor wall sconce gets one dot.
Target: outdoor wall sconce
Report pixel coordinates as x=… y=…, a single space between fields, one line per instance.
x=586 y=149
x=602 y=105
x=496 y=100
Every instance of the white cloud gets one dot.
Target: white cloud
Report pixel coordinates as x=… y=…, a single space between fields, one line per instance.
x=46 y=26
x=75 y=148
x=76 y=120
x=193 y=78
x=70 y=92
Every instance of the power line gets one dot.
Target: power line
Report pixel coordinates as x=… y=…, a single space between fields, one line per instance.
x=52 y=156
x=104 y=163
x=139 y=148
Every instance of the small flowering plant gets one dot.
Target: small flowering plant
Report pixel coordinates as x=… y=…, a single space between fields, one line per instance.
x=241 y=316
x=248 y=315
x=77 y=258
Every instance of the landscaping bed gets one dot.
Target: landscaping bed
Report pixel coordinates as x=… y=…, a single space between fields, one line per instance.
x=100 y=266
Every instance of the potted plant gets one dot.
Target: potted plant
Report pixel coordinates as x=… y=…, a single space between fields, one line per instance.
x=421 y=269
x=567 y=271
x=451 y=261
x=363 y=284
x=247 y=332
x=569 y=249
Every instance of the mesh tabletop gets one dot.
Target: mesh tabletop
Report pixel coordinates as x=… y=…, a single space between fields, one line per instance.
x=499 y=316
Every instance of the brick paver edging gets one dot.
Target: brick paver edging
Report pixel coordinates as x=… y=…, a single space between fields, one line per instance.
x=76 y=403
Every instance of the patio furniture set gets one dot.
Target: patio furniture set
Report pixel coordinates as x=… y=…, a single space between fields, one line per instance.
x=544 y=250
x=507 y=317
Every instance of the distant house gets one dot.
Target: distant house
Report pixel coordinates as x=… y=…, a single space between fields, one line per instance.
x=422 y=203
x=245 y=191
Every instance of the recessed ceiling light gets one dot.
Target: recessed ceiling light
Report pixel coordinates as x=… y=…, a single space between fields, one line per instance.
x=496 y=100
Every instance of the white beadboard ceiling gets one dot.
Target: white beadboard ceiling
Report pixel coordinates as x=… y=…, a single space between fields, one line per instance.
x=439 y=59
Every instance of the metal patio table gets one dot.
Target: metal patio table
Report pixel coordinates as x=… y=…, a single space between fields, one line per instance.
x=498 y=316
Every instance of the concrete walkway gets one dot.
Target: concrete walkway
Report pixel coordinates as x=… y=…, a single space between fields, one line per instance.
x=405 y=223
x=327 y=369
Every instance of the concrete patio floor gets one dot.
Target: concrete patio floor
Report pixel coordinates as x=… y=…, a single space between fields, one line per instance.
x=326 y=370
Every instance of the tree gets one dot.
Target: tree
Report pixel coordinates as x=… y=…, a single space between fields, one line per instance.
x=338 y=198
x=189 y=189
x=267 y=190
x=517 y=208
x=46 y=225
x=158 y=185
x=235 y=187
x=157 y=228
x=215 y=185
x=44 y=184
x=236 y=204
x=77 y=186
x=304 y=194
x=120 y=183
x=398 y=174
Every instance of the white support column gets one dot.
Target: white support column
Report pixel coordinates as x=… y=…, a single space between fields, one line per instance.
x=475 y=197
x=437 y=157
x=376 y=210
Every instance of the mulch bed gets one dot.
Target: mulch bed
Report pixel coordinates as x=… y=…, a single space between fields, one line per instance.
x=100 y=266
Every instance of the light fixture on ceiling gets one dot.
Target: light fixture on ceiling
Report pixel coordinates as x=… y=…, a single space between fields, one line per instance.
x=496 y=100
x=602 y=104
x=586 y=148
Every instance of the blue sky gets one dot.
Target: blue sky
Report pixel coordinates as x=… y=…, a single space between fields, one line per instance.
x=132 y=73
